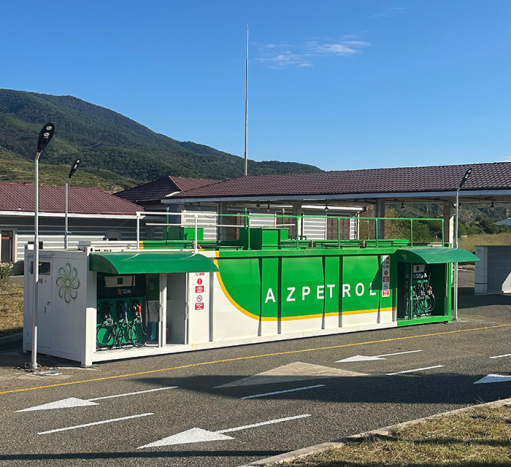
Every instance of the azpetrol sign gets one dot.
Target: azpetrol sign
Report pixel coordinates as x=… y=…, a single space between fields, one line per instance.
x=300 y=287
x=292 y=294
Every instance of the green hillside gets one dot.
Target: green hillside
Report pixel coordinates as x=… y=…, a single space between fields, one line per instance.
x=109 y=141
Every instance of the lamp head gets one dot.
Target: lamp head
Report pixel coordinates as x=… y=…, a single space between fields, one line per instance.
x=465 y=178
x=45 y=136
x=74 y=168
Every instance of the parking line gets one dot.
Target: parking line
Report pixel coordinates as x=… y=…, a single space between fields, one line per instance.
x=416 y=369
x=249 y=357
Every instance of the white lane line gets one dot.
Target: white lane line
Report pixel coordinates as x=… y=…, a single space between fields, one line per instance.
x=416 y=369
x=282 y=392
x=95 y=423
x=131 y=393
x=500 y=356
x=369 y=358
x=270 y=422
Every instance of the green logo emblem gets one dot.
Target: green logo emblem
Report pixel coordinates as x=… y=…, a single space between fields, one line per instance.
x=68 y=283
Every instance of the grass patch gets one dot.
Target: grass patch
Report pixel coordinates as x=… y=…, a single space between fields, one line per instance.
x=469 y=243
x=474 y=438
x=11 y=309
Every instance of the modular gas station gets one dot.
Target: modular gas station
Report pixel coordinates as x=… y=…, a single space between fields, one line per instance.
x=116 y=300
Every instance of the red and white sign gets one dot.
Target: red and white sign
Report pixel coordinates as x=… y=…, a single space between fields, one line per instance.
x=199 y=306
x=385 y=285
x=199 y=289
x=199 y=273
x=199 y=281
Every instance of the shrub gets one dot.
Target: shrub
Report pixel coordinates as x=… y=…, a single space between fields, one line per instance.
x=5 y=272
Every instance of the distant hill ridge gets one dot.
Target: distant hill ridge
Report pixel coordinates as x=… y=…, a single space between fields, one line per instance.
x=107 y=140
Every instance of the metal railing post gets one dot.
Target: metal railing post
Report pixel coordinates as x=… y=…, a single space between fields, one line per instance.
x=196 y=232
x=138 y=230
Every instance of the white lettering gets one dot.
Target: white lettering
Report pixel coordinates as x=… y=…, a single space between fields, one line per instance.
x=359 y=286
x=331 y=286
x=371 y=290
x=346 y=290
x=321 y=292
x=270 y=296
x=305 y=291
x=291 y=292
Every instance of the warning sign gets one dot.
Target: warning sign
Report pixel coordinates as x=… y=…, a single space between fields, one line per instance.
x=199 y=289
x=199 y=306
x=385 y=286
x=199 y=281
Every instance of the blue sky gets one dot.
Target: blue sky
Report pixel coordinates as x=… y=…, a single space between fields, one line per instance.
x=342 y=84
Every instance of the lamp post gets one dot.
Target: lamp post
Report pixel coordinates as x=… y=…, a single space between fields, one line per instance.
x=45 y=135
x=463 y=180
x=71 y=172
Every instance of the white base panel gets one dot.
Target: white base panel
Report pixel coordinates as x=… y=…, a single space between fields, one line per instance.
x=135 y=352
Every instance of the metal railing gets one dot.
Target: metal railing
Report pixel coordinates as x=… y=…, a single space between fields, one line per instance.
x=297 y=222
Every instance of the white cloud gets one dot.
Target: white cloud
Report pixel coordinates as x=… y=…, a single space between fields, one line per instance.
x=281 y=55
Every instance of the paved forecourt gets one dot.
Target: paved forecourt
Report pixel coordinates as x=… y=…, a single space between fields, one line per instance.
x=233 y=406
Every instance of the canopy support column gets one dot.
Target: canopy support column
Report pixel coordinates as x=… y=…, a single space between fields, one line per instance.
x=222 y=231
x=449 y=214
x=379 y=211
x=297 y=211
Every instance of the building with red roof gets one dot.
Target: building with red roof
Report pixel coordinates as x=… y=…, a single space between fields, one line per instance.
x=93 y=215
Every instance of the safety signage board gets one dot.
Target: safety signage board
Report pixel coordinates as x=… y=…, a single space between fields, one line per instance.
x=385 y=270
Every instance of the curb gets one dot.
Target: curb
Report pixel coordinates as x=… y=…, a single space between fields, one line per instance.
x=12 y=338
x=293 y=455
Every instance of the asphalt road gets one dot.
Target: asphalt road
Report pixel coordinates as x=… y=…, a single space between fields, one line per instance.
x=442 y=362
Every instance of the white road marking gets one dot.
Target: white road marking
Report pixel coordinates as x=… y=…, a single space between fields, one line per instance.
x=75 y=402
x=367 y=358
x=282 y=392
x=270 y=422
x=95 y=423
x=198 y=435
x=416 y=369
x=132 y=393
x=494 y=379
x=501 y=356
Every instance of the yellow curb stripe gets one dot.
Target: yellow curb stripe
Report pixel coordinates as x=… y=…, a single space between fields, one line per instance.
x=192 y=365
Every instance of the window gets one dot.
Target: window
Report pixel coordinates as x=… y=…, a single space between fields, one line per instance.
x=7 y=252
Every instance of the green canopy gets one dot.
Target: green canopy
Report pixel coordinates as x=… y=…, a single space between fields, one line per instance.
x=150 y=262
x=429 y=255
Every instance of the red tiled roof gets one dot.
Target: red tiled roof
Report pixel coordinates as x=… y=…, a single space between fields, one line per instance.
x=398 y=180
x=17 y=197
x=159 y=189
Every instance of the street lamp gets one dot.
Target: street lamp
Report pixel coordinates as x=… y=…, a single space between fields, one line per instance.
x=45 y=136
x=463 y=180
x=71 y=172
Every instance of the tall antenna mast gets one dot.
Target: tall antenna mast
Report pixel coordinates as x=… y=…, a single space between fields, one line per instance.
x=246 y=109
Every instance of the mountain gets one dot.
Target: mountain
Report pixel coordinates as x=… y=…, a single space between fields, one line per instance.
x=107 y=140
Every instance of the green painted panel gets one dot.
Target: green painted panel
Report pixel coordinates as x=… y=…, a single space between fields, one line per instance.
x=428 y=255
x=270 y=290
x=359 y=273
x=242 y=280
x=303 y=287
x=332 y=276
x=147 y=263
